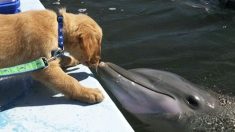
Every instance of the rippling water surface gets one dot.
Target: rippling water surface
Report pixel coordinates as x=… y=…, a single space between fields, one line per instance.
x=192 y=38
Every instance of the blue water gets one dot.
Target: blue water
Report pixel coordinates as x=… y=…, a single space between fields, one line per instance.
x=192 y=38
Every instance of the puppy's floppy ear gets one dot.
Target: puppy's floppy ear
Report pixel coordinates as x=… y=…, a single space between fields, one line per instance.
x=90 y=42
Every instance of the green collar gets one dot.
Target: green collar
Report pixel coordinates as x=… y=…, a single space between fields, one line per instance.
x=38 y=64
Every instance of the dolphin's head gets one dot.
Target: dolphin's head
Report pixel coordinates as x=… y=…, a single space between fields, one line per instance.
x=152 y=91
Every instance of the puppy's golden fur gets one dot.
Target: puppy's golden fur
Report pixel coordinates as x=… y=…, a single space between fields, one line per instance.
x=30 y=35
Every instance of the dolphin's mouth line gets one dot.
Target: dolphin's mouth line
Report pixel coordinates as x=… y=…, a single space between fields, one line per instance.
x=125 y=74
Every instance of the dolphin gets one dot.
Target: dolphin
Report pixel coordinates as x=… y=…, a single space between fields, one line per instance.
x=149 y=91
x=160 y=100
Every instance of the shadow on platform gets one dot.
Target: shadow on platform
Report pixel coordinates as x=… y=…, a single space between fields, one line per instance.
x=24 y=91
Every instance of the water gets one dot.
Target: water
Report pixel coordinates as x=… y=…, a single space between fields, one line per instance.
x=192 y=38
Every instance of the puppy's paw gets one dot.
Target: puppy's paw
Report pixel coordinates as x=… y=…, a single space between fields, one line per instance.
x=95 y=96
x=91 y=95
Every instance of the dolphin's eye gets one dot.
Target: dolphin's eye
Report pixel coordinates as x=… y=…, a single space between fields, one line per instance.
x=192 y=102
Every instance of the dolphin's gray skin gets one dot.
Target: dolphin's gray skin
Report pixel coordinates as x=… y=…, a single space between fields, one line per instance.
x=148 y=91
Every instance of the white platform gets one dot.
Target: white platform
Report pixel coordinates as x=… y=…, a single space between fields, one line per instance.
x=28 y=106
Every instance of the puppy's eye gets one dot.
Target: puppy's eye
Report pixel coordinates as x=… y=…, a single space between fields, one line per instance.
x=81 y=45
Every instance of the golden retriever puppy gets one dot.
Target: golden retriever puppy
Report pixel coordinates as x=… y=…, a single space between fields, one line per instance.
x=33 y=34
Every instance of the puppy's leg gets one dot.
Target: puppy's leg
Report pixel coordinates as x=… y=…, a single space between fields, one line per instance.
x=68 y=61
x=53 y=76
